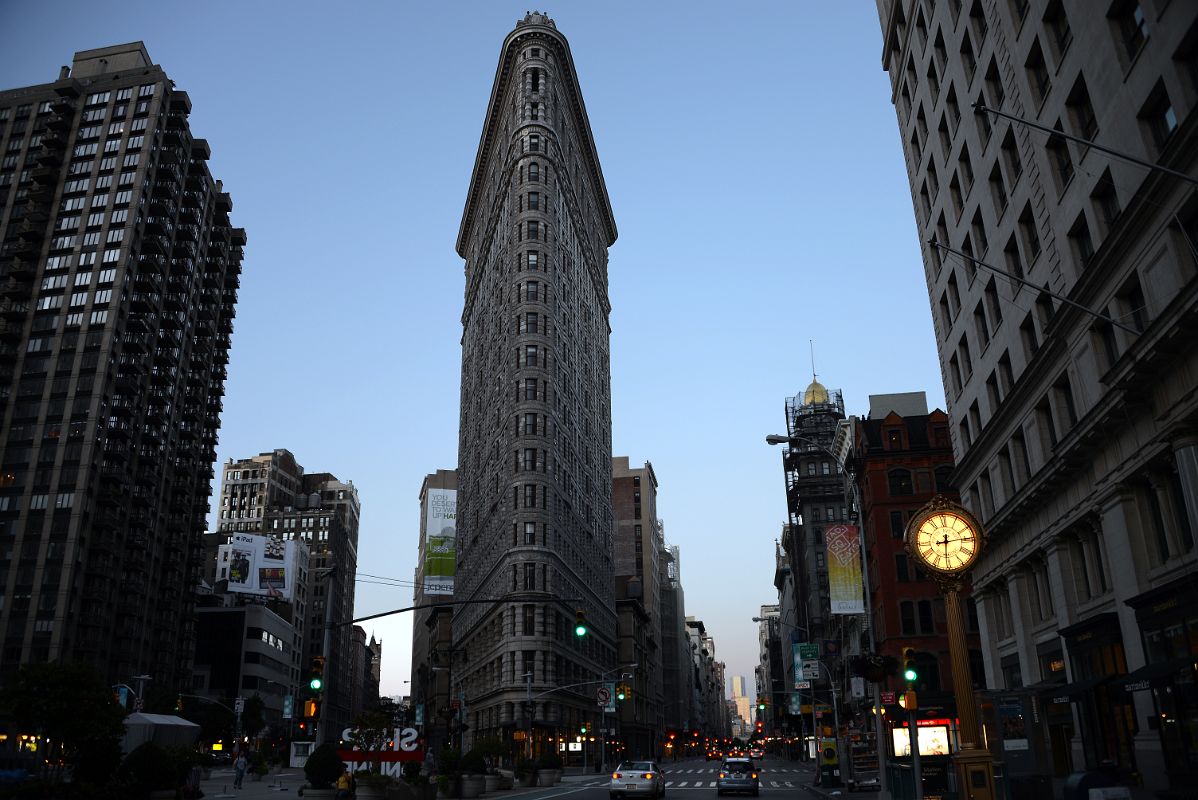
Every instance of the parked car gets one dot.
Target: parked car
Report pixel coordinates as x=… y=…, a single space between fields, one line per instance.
x=738 y=775
x=638 y=778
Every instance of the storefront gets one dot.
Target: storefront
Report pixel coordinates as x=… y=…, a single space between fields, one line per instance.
x=1168 y=622
x=1106 y=715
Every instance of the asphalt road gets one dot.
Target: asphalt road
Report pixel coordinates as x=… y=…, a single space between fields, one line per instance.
x=693 y=778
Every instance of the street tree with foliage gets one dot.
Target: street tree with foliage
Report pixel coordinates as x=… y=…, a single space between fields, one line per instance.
x=71 y=707
x=370 y=730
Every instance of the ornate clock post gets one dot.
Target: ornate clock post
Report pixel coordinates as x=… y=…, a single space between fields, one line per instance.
x=945 y=539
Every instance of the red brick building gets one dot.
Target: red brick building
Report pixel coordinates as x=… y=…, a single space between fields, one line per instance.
x=901 y=456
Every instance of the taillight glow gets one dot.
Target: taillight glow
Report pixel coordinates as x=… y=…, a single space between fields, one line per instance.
x=722 y=775
x=754 y=776
x=615 y=776
x=648 y=776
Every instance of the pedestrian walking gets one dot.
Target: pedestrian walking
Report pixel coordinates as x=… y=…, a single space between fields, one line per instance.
x=239 y=767
x=345 y=785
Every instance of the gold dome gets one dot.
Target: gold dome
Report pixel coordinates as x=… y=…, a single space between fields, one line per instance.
x=816 y=393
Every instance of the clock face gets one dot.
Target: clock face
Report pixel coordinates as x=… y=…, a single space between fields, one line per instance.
x=946 y=542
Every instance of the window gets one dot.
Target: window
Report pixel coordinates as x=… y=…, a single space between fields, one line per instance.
x=1058 y=156
x=1080 y=241
x=533 y=229
x=534 y=201
x=968 y=59
x=1045 y=424
x=1105 y=202
x=980 y=325
x=534 y=171
x=1037 y=73
x=902 y=574
x=530 y=533
x=897 y=528
x=1057 y=25
x=534 y=143
x=1027 y=333
x=1066 y=407
x=977 y=229
x=965 y=168
x=1158 y=117
x=1081 y=110
x=530 y=614
x=1131 y=28
x=1027 y=231
x=900 y=482
x=1010 y=154
x=530 y=576
x=925 y=617
x=998 y=190
x=907 y=617
x=1018 y=11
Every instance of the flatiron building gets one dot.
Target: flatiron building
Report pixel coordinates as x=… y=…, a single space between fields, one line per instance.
x=534 y=533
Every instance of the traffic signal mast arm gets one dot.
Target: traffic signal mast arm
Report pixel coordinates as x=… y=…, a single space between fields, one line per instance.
x=515 y=598
x=563 y=688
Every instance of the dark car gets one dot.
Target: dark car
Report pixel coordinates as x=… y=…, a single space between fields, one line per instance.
x=737 y=775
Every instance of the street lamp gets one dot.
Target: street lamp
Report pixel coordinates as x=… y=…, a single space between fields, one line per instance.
x=776 y=439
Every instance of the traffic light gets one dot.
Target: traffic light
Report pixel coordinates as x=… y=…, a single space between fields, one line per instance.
x=311 y=708
x=316 y=676
x=580 y=622
x=582 y=728
x=761 y=705
x=760 y=725
x=621 y=692
x=910 y=671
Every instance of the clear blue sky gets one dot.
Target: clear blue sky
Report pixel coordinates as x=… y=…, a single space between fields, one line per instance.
x=755 y=171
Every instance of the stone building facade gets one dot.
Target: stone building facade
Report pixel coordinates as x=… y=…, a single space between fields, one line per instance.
x=119 y=271
x=534 y=459
x=1071 y=396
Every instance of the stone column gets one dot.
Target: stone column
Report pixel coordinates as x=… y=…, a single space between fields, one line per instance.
x=1017 y=592
x=1060 y=583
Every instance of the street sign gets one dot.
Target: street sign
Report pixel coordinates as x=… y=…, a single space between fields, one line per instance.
x=239 y=705
x=603 y=697
x=887 y=698
x=802 y=684
x=420 y=713
x=288 y=707
x=808 y=652
x=811 y=670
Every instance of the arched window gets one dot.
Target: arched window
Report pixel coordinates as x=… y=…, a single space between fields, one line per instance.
x=900 y=482
x=825 y=468
x=943 y=484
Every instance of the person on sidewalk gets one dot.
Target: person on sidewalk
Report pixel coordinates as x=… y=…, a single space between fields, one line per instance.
x=345 y=785
x=239 y=767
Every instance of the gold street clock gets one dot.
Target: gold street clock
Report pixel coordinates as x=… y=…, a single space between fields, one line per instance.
x=943 y=537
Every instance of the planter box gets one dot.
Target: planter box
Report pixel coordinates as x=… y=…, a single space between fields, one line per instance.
x=546 y=777
x=319 y=794
x=472 y=785
x=491 y=782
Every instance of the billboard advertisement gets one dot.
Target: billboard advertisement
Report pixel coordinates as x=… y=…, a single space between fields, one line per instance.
x=440 y=540
x=261 y=565
x=844 y=569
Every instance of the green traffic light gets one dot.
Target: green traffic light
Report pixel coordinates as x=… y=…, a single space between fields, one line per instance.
x=315 y=684
x=620 y=695
x=761 y=706
x=580 y=630
x=910 y=674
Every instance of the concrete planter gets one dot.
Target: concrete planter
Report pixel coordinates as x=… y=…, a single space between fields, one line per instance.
x=473 y=785
x=320 y=794
x=546 y=777
x=491 y=782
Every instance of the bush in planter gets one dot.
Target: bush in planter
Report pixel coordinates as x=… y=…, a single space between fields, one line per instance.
x=448 y=760
x=324 y=766
x=376 y=780
x=413 y=773
x=150 y=768
x=549 y=760
x=525 y=767
x=473 y=763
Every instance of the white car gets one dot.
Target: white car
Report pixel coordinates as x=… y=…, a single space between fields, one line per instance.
x=633 y=778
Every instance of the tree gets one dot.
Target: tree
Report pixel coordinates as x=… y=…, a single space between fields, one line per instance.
x=70 y=706
x=370 y=729
x=253 y=716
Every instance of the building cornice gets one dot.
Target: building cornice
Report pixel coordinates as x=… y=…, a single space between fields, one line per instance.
x=548 y=36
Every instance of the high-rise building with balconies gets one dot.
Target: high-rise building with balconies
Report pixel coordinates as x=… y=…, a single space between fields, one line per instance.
x=534 y=516
x=118 y=273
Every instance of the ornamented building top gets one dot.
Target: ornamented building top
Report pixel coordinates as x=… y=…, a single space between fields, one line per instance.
x=536 y=18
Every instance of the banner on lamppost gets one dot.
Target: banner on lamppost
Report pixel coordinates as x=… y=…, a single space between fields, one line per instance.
x=844 y=569
x=440 y=540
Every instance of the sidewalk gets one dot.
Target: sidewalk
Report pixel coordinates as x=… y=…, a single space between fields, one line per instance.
x=286 y=783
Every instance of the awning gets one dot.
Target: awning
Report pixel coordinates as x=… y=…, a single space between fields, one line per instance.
x=1159 y=673
x=1067 y=692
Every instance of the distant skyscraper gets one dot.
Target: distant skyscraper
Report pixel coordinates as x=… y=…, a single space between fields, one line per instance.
x=118 y=273
x=270 y=493
x=638 y=552
x=534 y=457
